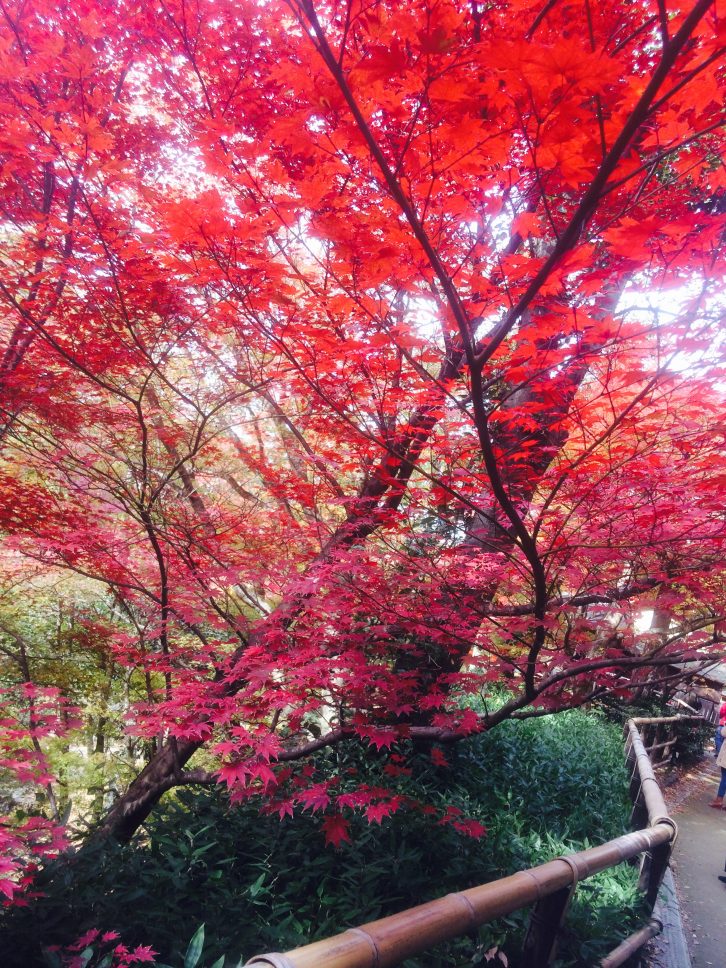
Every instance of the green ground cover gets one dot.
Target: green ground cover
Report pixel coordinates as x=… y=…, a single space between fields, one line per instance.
x=541 y=788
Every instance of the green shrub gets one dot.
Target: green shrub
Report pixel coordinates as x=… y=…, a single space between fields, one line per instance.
x=542 y=788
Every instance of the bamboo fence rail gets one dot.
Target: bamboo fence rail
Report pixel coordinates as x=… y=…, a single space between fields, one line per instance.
x=547 y=887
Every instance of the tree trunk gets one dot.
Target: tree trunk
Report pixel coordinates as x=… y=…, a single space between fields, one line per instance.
x=158 y=776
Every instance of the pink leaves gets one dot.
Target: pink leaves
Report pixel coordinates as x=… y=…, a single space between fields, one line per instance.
x=76 y=954
x=462 y=722
x=22 y=847
x=283 y=808
x=249 y=764
x=472 y=828
x=438 y=757
x=315 y=797
x=376 y=812
x=269 y=460
x=247 y=773
x=469 y=827
x=469 y=722
x=234 y=772
x=336 y=829
x=379 y=737
x=32 y=714
x=8 y=886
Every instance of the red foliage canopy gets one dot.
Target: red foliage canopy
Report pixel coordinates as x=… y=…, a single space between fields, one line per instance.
x=368 y=353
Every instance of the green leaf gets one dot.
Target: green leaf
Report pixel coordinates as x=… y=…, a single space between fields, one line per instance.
x=219 y=963
x=256 y=887
x=194 y=951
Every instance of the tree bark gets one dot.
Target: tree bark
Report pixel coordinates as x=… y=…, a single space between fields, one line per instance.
x=159 y=775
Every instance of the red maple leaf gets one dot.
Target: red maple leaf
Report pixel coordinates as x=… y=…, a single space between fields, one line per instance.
x=336 y=829
x=376 y=812
x=437 y=756
x=315 y=797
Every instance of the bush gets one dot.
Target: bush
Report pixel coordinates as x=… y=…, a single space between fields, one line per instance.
x=542 y=788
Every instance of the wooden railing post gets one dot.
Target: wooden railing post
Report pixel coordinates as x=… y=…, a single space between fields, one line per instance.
x=547 y=917
x=634 y=791
x=639 y=813
x=657 y=737
x=652 y=870
x=540 y=942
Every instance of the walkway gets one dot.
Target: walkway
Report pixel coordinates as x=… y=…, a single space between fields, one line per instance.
x=698 y=859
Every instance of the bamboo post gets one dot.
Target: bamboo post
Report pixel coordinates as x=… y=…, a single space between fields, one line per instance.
x=652 y=871
x=545 y=921
x=630 y=946
x=628 y=743
x=648 y=739
x=663 y=746
x=637 y=819
x=540 y=942
x=660 y=733
x=639 y=813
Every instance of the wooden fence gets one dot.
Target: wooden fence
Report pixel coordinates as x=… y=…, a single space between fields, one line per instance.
x=548 y=888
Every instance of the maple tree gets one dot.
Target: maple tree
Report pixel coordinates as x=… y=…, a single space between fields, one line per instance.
x=368 y=355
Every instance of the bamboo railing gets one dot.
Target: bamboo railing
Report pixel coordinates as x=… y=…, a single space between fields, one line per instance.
x=548 y=888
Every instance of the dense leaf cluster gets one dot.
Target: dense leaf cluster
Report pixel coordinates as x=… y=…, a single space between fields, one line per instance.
x=356 y=357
